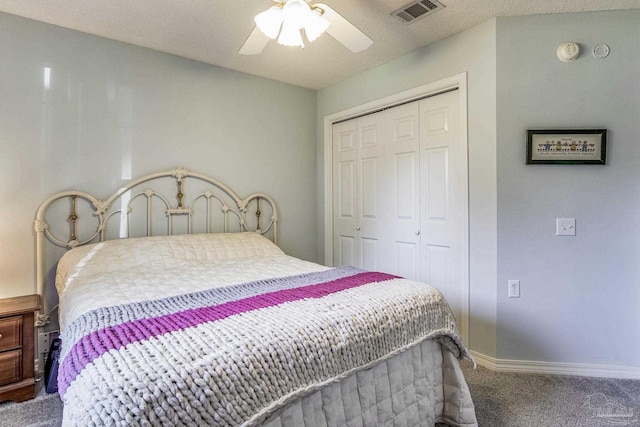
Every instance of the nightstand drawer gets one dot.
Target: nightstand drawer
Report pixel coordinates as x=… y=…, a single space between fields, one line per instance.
x=17 y=332
x=10 y=332
x=10 y=366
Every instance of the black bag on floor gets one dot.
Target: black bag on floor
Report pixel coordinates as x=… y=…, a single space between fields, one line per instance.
x=51 y=367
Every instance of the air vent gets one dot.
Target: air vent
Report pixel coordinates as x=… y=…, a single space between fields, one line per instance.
x=417 y=10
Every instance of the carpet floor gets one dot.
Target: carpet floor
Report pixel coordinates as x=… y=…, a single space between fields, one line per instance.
x=43 y=411
x=501 y=400
x=526 y=400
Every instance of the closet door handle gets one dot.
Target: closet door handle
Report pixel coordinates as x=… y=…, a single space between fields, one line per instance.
x=358 y=227
x=417 y=232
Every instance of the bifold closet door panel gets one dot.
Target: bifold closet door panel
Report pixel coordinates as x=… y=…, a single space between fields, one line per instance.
x=371 y=192
x=402 y=195
x=442 y=192
x=344 y=194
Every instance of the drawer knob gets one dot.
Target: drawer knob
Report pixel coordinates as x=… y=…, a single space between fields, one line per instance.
x=0 y=335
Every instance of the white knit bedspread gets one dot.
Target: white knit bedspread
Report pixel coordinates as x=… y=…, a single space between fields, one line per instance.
x=141 y=269
x=252 y=366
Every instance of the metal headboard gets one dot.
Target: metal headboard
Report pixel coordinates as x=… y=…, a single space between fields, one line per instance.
x=218 y=208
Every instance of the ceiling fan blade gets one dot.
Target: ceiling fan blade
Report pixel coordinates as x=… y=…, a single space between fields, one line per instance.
x=344 y=31
x=255 y=43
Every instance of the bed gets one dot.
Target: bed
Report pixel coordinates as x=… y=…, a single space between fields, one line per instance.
x=201 y=319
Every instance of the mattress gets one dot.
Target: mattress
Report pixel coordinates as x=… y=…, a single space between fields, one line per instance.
x=225 y=329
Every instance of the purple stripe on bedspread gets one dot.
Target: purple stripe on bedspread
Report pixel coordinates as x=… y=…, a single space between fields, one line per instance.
x=102 y=317
x=97 y=343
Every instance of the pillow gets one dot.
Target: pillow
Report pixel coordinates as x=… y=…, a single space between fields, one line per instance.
x=161 y=251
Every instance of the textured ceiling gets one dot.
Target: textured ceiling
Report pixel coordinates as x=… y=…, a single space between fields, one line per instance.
x=213 y=31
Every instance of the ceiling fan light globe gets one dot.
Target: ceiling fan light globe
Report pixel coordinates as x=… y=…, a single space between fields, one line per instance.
x=296 y=12
x=270 y=21
x=315 y=25
x=290 y=34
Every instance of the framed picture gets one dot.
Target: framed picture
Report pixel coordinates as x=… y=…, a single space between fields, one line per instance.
x=567 y=147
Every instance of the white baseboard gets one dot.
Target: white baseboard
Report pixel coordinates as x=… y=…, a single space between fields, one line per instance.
x=554 y=368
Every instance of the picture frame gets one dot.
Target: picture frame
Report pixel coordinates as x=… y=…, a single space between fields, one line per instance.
x=567 y=146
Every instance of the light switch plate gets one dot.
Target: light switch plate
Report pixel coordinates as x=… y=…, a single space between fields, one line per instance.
x=565 y=226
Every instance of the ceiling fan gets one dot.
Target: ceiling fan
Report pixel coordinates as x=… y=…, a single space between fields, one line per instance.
x=286 y=21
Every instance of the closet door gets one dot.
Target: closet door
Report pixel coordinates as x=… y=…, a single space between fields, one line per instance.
x=371 y=188
x=443 y=190
x=360 y=185
x=344 y=194
x=400 y=195
x=402 y=190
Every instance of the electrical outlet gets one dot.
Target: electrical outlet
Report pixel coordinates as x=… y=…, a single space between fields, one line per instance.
x=43 y=342
x=514 y=288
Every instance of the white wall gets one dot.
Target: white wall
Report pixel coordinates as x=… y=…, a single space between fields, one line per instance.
x=114 y=111
x=472 y=51
x=580 y=298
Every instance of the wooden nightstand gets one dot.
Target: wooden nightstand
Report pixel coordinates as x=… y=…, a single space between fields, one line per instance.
x=17 y=347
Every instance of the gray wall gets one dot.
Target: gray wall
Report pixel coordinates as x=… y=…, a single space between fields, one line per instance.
x=472 y=51
x=115 y=111
x=580 y=295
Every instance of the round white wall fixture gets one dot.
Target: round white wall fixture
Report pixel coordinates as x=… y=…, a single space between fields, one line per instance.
x=601 y=51
x=568 y=52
